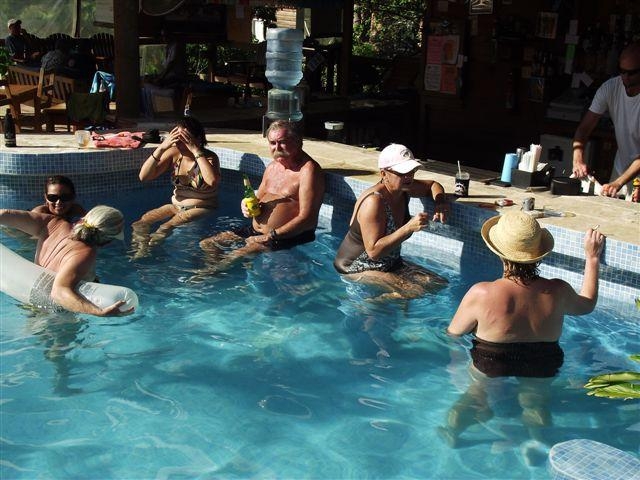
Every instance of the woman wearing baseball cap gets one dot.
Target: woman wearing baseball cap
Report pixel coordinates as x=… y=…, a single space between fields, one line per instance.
x=370 y=252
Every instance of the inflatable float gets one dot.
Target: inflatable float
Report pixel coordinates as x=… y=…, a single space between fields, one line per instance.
x=29 y=283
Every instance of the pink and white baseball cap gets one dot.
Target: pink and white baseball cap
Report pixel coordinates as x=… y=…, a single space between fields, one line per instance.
x=398 y=158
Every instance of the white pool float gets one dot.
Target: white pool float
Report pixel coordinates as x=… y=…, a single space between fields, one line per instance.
x=29 y=283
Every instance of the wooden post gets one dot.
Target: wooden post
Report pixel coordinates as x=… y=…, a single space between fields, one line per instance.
x=347 y=45
x=127 y=58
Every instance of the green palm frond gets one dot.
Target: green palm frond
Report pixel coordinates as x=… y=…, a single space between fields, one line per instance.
x=625 y=385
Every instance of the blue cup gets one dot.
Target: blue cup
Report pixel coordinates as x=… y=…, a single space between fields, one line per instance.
x=510 y=162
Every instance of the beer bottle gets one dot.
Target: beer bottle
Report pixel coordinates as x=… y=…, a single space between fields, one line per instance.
x=250 y=199
x=635 y=194
x=9 y=130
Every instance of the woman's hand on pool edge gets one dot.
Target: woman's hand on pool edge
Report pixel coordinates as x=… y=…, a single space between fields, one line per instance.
x=441 y=212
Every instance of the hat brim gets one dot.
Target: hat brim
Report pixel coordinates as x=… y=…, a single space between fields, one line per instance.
x=546 y=243
x=405 y=167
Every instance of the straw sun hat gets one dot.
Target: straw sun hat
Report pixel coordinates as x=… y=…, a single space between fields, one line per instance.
x=517 y=237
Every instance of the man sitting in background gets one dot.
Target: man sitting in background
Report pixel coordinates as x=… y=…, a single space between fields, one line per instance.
x=57 y=59
x=17 y=45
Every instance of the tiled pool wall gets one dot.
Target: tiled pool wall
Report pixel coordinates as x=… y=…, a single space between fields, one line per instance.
x=104 y=172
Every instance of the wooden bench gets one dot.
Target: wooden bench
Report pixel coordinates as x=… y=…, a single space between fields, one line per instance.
x=37 y=90
x=62 y=86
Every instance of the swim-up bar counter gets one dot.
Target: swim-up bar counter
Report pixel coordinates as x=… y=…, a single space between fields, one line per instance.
x=350 y=170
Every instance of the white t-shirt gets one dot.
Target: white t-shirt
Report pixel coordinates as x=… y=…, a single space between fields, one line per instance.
x=625 y=114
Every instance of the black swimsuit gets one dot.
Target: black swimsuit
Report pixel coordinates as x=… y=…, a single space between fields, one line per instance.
x=520 y=359
x=352 y=256
x=280 y=243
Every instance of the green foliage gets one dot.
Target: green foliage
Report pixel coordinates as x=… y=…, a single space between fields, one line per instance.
x=197 y=61
x=266 y=13
x=387 y=28
x=5 y=61
x=624 y=385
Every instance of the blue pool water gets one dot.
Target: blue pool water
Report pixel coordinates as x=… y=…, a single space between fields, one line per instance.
x=278 y=369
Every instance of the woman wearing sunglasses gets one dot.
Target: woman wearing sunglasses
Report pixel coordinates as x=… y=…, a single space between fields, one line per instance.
x=195 y=175
x=370 y=252
x=59 y=199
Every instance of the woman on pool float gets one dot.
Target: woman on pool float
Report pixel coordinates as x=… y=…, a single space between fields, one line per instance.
x=195 y=174
x=370 y=252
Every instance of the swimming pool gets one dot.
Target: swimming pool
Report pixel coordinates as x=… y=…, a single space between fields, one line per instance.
x=279 y=369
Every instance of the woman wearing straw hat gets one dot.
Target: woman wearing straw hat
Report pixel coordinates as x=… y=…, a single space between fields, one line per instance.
x=370 y=252
x=522 y=306
x=517 y=321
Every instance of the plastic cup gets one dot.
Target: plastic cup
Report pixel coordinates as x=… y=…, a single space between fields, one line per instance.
x=462 y=184
x=82 y=138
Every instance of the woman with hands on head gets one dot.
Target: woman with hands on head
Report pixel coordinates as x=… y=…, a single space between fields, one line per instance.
x=370 y=252
x=195 y=175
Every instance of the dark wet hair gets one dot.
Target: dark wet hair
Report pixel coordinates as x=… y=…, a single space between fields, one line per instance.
x=194 y=127
x=60 y=180
x=523 y=273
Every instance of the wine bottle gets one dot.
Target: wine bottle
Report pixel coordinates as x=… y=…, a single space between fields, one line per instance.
x=250 y=199
x=9 y=131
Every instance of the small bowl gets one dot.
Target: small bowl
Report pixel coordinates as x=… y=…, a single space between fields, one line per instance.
x=566 y=186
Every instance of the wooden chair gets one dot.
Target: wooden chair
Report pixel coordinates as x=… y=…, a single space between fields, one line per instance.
x=56 y=113
x=42 y=99
x=54 y=37
x=102 y=47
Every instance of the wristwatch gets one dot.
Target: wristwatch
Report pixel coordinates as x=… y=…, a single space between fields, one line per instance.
x=273 y=235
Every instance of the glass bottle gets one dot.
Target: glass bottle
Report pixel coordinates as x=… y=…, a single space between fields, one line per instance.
x=250 y=199
x=9 y=131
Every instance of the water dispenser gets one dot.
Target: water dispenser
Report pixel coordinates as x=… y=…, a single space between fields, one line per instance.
x=284 y=71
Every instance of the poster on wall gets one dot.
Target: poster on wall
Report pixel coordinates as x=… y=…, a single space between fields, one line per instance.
x=432 y=78
x=442 y=64
x=480 y=7
x=547 y=25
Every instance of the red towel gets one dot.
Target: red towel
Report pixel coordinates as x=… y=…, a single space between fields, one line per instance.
x=118 y=140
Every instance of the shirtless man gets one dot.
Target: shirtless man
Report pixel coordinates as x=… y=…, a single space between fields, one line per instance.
x=70 y=251
x=290 y=197
x=517 y=322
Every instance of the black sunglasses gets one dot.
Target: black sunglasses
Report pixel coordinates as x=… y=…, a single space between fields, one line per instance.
x=631 y=73
x=53 y=198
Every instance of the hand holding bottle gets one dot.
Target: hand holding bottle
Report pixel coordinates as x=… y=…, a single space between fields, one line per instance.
x=250 y=204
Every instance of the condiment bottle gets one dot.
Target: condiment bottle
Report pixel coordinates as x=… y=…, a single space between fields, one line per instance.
x=9 y=131
x=250 y=199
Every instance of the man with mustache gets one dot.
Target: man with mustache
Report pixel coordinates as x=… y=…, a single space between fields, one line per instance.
x=290 y=196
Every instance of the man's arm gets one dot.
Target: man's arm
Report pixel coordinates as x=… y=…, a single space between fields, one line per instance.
x=585 y=301
x=31 y=223
x=465 y=319
x=310 y=196
x=66 y=280
x=612 y=189
x=580 y=139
